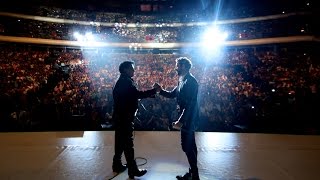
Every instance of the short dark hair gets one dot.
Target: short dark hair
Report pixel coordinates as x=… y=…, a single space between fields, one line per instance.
x=185 y=61
x=125 y=65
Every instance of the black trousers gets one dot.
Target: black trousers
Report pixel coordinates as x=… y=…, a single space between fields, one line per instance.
x=189 y=146
x=124 y=144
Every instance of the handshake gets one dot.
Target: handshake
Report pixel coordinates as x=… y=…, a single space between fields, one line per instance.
x=157 y=87
x=177 y=124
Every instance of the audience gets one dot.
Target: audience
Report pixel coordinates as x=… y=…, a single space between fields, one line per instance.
x=273 y=93
x=266 y=89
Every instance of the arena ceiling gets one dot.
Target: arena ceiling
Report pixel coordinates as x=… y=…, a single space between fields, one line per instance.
x=93 y=4
x=161 y=5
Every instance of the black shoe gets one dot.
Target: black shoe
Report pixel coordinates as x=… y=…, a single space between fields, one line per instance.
x=187 y=176
x=137 y=172
x=119 y=168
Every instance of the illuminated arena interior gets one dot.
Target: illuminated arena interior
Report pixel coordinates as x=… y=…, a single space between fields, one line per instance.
x=257 y=69
x=257 y=64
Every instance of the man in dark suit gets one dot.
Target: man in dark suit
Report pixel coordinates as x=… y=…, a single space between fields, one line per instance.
x=126 y=97
x=186 y=94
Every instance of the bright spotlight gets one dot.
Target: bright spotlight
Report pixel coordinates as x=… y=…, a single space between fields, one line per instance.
x=78 y=36
x=211 y=45
x=213 y=38
x=89 y=36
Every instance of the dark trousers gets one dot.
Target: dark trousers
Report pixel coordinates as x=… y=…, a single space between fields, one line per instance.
x=124 y=144
x=189 y=146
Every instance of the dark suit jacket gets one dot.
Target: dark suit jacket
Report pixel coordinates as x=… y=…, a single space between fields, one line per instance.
x=126 y=96
x=186 y=93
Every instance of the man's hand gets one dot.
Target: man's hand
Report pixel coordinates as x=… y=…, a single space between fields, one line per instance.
x=177 y=125
x=157 y=87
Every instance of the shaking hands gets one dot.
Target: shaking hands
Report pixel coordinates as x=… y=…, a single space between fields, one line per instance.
x=157 y=87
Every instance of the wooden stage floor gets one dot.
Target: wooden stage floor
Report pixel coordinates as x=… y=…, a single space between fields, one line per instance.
x=86 y=155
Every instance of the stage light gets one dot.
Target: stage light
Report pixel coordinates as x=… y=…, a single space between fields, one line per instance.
x=89 y=36
x=78 y=36
x=213 y=38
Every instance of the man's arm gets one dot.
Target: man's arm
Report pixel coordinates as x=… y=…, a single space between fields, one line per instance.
x=169 y=94
x=190 y=92
x=145 y=94
x=142 y=94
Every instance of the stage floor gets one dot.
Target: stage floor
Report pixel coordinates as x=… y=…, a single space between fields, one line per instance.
x=86 y=155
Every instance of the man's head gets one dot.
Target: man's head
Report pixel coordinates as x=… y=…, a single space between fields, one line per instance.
x=127 y=68
x=183 y=65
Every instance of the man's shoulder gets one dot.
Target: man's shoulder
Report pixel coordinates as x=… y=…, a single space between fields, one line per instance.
x=191 y=78
x=123 y=82
x=124 y=79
